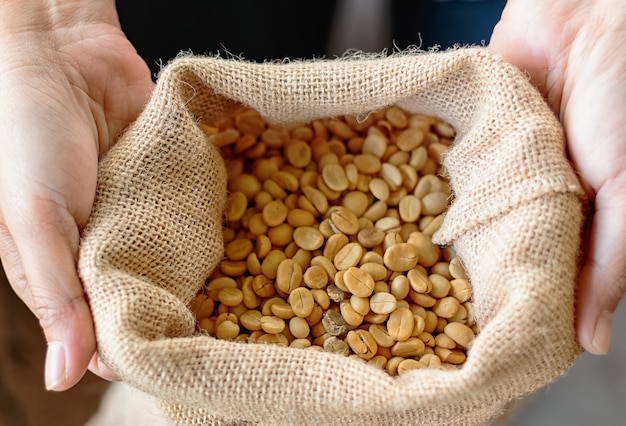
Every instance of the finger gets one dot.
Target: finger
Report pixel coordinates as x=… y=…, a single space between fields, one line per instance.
x=40 y=261
x=603 y=275
x=97 y=367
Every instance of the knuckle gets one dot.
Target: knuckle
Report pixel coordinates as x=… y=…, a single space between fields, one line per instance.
x=11 y=262
x=619 y=289
x=18 y=281
x=53 y=313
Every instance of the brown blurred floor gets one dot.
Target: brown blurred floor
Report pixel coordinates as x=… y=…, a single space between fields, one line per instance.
x=23 y=398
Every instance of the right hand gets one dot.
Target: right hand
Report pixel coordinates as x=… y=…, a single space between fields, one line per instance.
x=70 y=81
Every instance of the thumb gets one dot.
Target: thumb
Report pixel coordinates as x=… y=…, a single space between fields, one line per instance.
x=603 y=275
x=39 y=252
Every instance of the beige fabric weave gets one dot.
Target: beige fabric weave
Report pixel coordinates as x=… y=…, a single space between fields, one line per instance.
x=156 y=228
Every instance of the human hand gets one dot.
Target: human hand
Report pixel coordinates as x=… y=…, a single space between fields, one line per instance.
x=70 y=81
x=575 y=52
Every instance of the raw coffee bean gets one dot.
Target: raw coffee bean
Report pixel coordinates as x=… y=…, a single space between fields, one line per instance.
x=400 y=324
x=285 y=180
x=379 y=189
x=321 y=298
x=411 y=347
x=282 y=310
x=274 y=213
x=348 y=313
x=238 y=249
x=362 y=343
x=367 y=164
x=308 y=238
x=328 y=241
x=298 y=153
x=441 y=286
x=370 y=237
x=361 y=305
x=401 y=257
x=434 y=203
x=299 y=327
x=410 y=139
x=301 y=301
x=344 y=220
x=396 y=117
x=299 y=217
x=334 y=323
x=381 y=335
x=288 y=276
x=251 y=320
x=348 y=256
x=457 y=270
x=230 y=296
x=335 y=177
x=376 y=270
x=391 y=175
x=460 y=289
x=446 y=307
x=383 y=303
x=333 y=244
x=271 y=324
x=315 y=277
x=281 y=235
x=460 y=333
x=410 y=208
x=337 y=346
x=359 y=282
x=269 y=267
x=375 y=144
x=356 y=202
x=236 y=207
x=408 y=365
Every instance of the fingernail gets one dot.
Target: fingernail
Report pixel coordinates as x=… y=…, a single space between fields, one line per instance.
x=602 y=333
x=56 y=373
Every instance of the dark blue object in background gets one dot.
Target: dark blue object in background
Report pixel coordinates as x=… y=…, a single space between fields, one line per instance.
x=444 y=23
x=275 y=29
x=462 y=22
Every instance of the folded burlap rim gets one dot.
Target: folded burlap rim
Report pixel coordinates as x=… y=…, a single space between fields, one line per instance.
x=155 y=235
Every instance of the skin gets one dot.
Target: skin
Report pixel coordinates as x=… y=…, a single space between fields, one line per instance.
x=70 y=82
x=574 y=52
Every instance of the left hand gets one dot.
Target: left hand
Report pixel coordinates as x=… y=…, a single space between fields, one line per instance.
x=70 y=81
x=575 y=52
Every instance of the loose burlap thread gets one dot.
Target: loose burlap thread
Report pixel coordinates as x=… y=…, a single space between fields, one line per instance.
x=155 y=235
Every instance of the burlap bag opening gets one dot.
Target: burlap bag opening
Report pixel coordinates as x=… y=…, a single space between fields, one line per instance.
x=156 y=234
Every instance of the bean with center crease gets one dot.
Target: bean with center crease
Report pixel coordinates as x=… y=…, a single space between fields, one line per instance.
x=359 y=282
x=349 y=256
x=362 y=343
x=400 y=324
x=344 y=220
x=288 y=276
x=301 y=301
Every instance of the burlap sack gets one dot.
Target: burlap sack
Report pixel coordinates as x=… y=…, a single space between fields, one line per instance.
x=156 y=233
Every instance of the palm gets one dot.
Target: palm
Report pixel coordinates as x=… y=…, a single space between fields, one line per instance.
x=98 y=87
x=574 y=54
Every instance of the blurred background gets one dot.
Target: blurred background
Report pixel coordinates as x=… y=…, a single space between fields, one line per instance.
x=592 y=392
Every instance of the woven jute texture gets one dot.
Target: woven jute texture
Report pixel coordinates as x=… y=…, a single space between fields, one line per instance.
x=155 y=235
